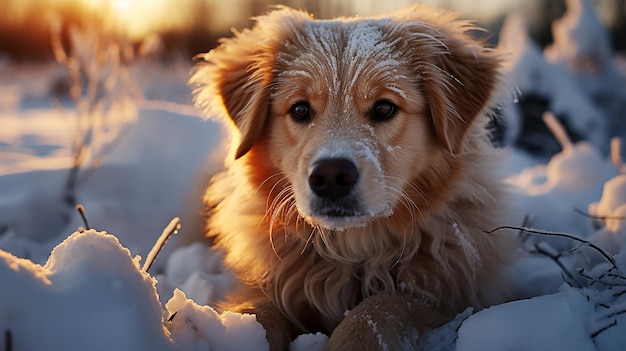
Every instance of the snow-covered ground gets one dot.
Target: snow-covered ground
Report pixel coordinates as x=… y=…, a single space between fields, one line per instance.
x=88 y=290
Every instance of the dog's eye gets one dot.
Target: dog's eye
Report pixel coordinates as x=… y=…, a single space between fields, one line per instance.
x=301 y=112
x=383 y=110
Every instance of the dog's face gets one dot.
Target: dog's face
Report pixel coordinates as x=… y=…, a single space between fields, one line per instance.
x=345 y=112
x=357 y=115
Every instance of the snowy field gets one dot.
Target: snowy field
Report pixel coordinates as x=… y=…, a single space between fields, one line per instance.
x=147 y=155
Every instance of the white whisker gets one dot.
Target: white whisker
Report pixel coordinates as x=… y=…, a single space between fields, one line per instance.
x=275 y=208
x=308 y=241
x=269 y=195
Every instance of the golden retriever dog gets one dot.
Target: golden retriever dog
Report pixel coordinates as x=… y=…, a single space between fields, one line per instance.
x=360 y=179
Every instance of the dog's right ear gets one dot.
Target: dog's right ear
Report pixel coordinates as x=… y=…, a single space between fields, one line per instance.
x=233 y=83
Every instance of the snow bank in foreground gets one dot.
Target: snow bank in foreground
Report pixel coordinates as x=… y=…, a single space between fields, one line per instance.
x=92 y=295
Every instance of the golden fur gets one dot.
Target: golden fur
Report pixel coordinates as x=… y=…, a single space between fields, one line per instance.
x=408 y=250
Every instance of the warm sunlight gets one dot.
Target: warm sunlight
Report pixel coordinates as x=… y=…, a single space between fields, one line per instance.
x=136 y=17
x=144 y=18
x=122 y=5
x=426 y=206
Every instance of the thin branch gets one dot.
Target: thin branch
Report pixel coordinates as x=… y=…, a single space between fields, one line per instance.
x=615 y=313
x=605 y=254
x=527 y=222
x=556 y=260
x=8 y=340
x=170 y=106
x=599 y=280
x=172 y=228
x=616 y=154
x=585 y=214
x=557 y=130
x=81 y=210
x=605 y=328
x=103 y=92
x=612 y=275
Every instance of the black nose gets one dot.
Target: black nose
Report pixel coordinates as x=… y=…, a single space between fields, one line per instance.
x=333 y=178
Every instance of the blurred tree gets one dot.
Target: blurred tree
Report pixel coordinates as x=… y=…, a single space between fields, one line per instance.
x=25 y=32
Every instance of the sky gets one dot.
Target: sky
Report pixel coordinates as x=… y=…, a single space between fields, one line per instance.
x=140 y=17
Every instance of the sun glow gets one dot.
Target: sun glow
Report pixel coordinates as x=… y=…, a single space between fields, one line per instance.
x=122 y=5
x=140 y=17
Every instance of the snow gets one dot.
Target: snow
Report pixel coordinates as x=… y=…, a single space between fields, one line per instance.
x=558 y=313
x=533 y=75
x=202 y=328
x=309 y=342
x=571 y=179
x=89 y=295
x=70 y=289
x=92 y=295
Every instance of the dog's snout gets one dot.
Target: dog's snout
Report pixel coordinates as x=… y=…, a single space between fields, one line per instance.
x=333 y=178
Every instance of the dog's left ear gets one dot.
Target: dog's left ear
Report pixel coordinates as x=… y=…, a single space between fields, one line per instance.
x=232 y=83
x=458 y=76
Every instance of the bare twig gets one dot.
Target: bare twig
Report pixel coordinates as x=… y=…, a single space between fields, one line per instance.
x=616 y=154
x=81 y=210
x=8 y=340
x=603 y=217
x=600 y=250
x=600 y=280
x=604 y=328
x=556 y=258
x=613 y=275
x=103 y=91
x=172 y=228
x=527 y=222
x=170 y=106
x=558 y=131
x=619 y=294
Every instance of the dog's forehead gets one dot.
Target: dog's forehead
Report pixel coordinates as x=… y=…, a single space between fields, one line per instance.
x=342 y=53
x=356 y=39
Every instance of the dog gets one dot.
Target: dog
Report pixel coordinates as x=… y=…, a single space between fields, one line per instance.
x=360 y=178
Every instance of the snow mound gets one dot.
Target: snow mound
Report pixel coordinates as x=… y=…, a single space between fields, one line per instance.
x=613 y=204
x=198 y=272
x=549 y=194
x=197 y=327
x=92 y=295
x=495 y=328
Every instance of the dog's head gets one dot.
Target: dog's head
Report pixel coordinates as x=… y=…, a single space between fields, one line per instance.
x=357 y=115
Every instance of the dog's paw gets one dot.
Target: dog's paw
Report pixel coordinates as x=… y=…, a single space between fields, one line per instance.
x=383 y=322
x=361 y=331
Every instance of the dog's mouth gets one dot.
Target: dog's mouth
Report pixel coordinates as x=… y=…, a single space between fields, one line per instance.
x=338 y=220
x=344 y=210
x=337 y=217
x=338 y=213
